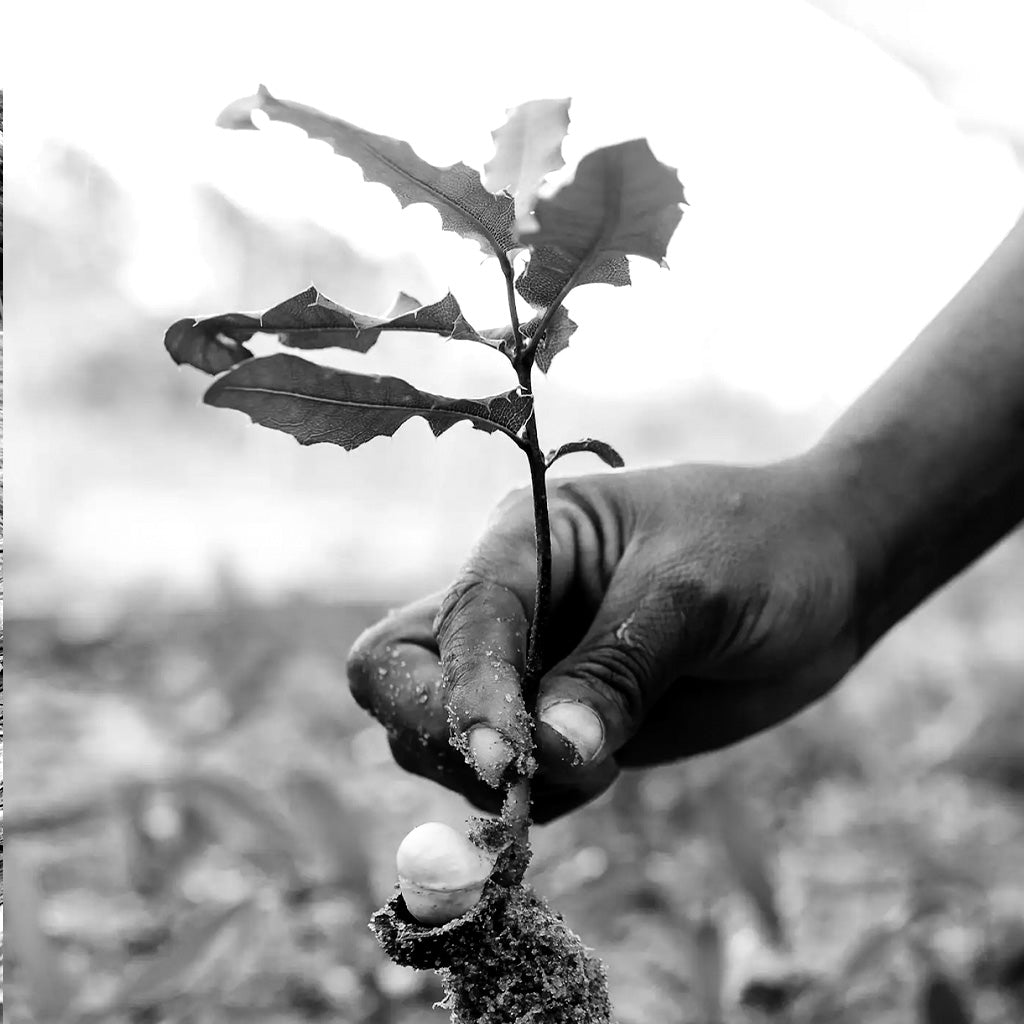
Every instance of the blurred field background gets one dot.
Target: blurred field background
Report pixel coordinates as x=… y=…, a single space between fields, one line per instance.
x=203 y=819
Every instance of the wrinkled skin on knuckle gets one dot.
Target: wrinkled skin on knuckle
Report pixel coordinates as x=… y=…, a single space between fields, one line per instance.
x=515 y=506
x=475 y=590
x=618 y=676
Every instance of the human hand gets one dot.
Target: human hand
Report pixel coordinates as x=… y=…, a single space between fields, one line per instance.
x=692 y=606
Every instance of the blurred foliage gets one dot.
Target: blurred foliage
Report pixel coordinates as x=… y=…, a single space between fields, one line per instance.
x=208 y=822
x=96 y=397
x=1 y=208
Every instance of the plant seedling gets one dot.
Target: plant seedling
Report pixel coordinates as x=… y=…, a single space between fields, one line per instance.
x=462 y=909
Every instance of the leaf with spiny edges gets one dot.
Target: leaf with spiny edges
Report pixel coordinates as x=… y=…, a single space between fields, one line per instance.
x=556 y=336
x=528 y=147
x=209 y=347
x=601 y=449
x=404 y=303
x=456 y=192
x=622 y=202
x=317 y=404
x=309 y=320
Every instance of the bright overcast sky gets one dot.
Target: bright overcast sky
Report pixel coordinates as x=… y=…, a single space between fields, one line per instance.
x=835 y=205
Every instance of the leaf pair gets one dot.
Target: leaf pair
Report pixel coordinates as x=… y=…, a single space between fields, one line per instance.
x=314 y=403
x=318 y=404
x=622 y=201
x=308 y=320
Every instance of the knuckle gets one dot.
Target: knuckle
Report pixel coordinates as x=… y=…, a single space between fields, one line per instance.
x=405 y=757
x=621 y=673
x=516 y=500
x=474 y=594
x=358 y=668
x=363 y=667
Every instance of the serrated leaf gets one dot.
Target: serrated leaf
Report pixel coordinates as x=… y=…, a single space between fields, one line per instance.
x=456 y=192
x=310 y=320
x=317 y=404
x=550 y=270
x=212 y=346
x=404 y=303
x=622 y=202
x=556 y=336
x=528 y=147
x=603 y=451
x=203 y=946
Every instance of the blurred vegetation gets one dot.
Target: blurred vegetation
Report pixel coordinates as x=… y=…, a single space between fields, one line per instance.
x=206 y=820
x=166 y=488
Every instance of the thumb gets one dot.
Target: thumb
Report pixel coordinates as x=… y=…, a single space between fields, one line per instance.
x=595 y=699
x=481 y=630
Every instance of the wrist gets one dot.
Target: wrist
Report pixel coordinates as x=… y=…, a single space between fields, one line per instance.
x=837 y=477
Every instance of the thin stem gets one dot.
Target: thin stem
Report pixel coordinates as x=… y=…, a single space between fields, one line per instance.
x=510 y=292
x=517 y=804
x=542 y=602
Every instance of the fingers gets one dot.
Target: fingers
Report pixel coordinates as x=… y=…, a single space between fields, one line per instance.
x=462 y=690
x=395 y=674
x=596 y=698
x=482 y=631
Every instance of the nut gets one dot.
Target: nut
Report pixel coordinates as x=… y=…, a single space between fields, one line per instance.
x=441 y=873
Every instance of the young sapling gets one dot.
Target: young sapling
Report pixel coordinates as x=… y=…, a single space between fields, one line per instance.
x=461 y=907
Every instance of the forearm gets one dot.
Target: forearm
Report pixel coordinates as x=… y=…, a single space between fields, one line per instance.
x=928 y=464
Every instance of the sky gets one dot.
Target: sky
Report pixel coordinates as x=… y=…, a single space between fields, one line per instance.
x=835 y=204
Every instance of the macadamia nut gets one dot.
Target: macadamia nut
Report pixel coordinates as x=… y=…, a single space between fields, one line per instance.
x=441 y=873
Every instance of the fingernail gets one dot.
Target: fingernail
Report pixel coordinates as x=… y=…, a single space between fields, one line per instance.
x=489 y=753
x=578 y=725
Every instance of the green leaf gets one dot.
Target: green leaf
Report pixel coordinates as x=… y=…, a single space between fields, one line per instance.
x=622 y=202
x=456 y=192
x=309 y=320
x=317 y=404
x=528 y=147
x=209 y=345
x=603 y=451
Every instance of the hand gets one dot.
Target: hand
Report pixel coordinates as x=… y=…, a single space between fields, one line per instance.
x=692 y=607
